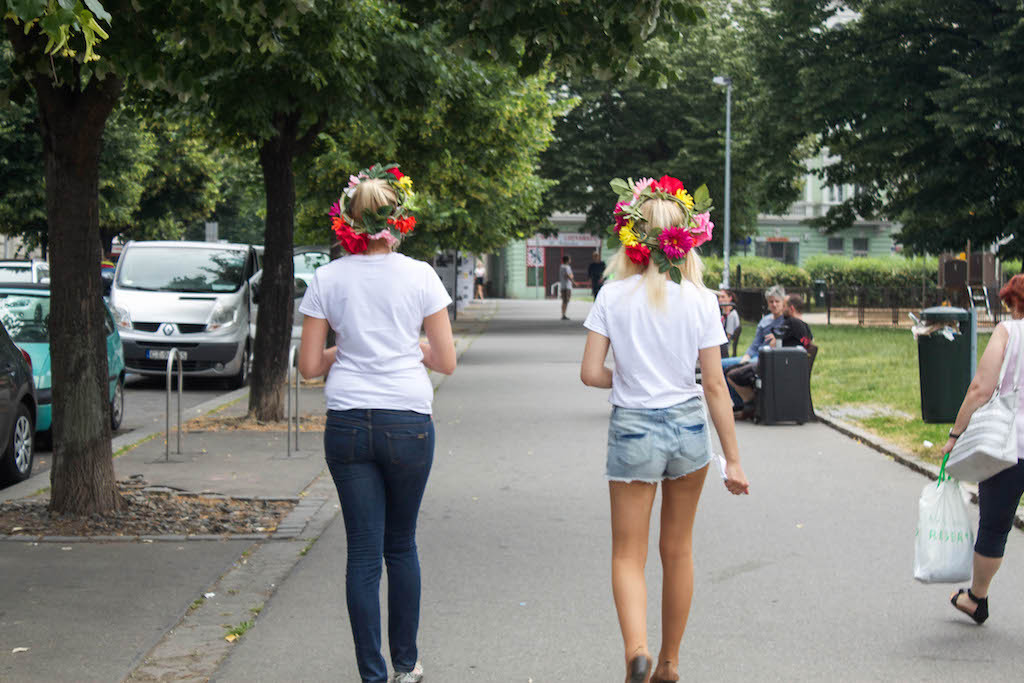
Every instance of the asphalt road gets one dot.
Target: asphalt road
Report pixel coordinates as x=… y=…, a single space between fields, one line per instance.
x=145 y=405
x=807 y=579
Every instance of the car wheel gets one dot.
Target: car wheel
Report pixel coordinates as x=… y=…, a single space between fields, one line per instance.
x=242 y=378
x=18 y=456
x=117 y=405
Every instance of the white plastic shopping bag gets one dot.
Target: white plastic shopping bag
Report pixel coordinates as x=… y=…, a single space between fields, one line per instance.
x=944 y=547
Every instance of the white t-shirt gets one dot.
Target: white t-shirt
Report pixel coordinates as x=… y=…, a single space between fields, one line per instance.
x=732 y=321
x=565 y=276
x=655 y=350
x=376 y=305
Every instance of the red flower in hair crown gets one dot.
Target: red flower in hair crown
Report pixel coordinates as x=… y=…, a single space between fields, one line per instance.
x=668 y=247
x=390 y=223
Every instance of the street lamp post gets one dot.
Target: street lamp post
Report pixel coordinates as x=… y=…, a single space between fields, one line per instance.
x=726 y=240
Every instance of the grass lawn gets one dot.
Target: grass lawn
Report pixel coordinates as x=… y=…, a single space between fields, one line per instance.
x=872 y=374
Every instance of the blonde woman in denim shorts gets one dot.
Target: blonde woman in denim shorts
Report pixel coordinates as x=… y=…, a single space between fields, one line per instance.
x=658 y=318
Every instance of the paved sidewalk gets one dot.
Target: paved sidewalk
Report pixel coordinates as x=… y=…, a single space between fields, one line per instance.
x=103 y=611
x=808 y=579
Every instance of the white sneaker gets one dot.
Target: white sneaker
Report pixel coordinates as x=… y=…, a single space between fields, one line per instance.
x=414 y=676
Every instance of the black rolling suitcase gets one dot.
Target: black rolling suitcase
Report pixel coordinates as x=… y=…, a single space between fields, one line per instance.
x=783 y=386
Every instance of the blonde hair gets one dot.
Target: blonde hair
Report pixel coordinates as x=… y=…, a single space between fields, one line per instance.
x=370 y=195
x=658 y=213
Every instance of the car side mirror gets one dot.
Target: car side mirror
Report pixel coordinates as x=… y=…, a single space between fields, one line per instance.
x=108 y=282
x=255 y=292
x=300 y=287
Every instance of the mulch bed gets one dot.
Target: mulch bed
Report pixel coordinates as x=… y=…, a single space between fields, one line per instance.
x=212 y=423
x=150 y=511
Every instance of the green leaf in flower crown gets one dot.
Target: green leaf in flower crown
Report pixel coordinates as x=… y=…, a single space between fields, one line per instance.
x=613 y=241
x=620 y=188
x=676 y=275
x=660 y=261
x=701 y=200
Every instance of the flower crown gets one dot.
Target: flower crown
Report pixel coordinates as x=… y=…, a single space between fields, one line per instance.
x=389 y=223
x=667 y=246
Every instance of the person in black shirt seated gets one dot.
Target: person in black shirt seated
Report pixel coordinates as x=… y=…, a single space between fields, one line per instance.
x=793 y=331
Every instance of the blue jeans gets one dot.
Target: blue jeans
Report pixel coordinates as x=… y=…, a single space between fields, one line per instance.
x=998 y=497
x=728 y=364
x=653 y=444
x=380 y=461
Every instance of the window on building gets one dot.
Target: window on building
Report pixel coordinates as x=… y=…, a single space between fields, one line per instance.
x=836 y=245
x=860 y=246
x=787 y=252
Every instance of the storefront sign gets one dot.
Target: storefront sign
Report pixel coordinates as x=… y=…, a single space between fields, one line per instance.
x=565 y=239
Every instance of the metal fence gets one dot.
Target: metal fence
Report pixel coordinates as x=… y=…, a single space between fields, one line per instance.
x=871 y=305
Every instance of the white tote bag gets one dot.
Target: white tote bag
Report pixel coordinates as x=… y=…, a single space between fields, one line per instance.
x=944 y=547
x=989 y=444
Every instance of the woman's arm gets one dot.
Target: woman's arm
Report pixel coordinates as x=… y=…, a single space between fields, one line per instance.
x=314 y=359
x=439 y=351
x=593 y=371
x=720 y=407
x=983 y=384
x=755 y=344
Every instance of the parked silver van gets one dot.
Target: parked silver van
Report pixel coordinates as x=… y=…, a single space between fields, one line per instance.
x=196 y=296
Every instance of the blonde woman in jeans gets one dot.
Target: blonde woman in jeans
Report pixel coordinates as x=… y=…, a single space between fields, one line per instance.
x=658 y=323
x=379 y=437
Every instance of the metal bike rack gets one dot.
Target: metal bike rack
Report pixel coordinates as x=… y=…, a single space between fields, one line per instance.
x=172 y=356
x=292 y=354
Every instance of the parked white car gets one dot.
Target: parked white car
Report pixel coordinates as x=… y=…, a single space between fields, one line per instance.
x=198 y=297
x=25 y=270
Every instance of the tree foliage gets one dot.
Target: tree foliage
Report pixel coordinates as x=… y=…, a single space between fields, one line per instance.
x=472 y=149
x=625 y=128
x=918 y=102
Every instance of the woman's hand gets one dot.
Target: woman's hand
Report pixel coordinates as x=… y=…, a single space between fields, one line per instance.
x=949 y=445
x=735 y=480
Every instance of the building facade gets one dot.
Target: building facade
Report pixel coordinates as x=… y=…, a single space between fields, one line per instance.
x=788 y=239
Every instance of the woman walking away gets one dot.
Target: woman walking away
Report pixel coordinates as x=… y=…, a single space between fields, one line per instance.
x=658 y=431
x=379 y=439
x=998 y=495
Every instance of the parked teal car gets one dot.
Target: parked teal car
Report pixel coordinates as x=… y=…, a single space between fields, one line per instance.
x=25 y=313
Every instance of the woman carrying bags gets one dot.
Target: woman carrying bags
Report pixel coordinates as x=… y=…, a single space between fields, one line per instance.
x=379 y=438
x=658 y=318
x=998 y=495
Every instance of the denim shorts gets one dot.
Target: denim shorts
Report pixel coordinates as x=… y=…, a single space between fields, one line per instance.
x=658 y=443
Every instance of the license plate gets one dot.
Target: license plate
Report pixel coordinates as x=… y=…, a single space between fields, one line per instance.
x=161 y=354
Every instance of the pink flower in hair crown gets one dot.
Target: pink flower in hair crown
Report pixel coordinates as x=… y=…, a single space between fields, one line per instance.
x=386 y=236
x=675 y=242
x=702 y=233
x=641 y=185
x=620 y=218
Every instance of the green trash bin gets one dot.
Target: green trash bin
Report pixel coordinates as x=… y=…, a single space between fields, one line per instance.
x=944 y=364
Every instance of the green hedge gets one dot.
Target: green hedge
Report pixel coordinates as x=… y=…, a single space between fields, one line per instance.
x=757 y=272
x=840 y=273
x=894 y=272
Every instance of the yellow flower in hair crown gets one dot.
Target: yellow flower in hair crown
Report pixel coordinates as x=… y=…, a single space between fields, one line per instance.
x=667 y=246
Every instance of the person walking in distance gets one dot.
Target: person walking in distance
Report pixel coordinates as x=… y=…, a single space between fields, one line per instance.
x=479 y=275
x=999 y=495
x=595 y=271
x=379 y=437
x=658 y=321
x=565 y=284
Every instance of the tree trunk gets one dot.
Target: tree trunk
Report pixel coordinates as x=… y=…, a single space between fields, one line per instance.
x=274 y=324
x=72 y=122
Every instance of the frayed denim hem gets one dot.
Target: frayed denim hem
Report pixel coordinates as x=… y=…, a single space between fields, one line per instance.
x=656 y=480
x=634 y=480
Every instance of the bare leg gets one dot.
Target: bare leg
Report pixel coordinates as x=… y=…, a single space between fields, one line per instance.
x=678 y=508
x=631 y=518
x=984 y=569
x=565 y=305
x=745 y=393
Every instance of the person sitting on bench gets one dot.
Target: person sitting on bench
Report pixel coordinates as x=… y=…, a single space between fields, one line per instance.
x=775 y=297
x=792 y=331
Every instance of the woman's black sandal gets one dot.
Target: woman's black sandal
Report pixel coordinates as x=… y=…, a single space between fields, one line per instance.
x=980 y=612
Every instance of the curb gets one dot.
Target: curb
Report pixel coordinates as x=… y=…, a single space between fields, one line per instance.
x=123 y=443
x=902 y=457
